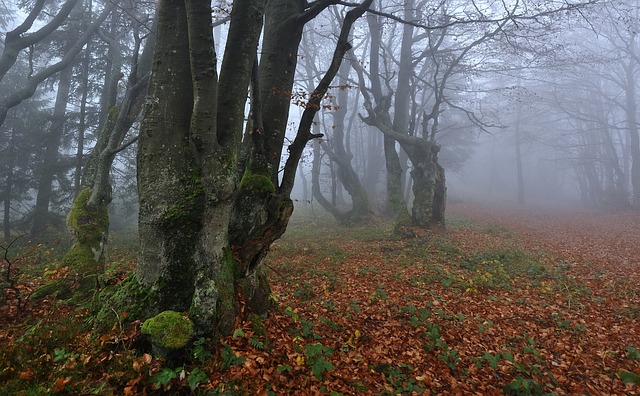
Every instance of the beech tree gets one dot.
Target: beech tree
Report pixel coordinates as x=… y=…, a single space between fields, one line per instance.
x=211 y=204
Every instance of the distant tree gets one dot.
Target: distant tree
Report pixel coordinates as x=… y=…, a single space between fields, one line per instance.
x=19 y=150
x=336 y=146
x=19 y=39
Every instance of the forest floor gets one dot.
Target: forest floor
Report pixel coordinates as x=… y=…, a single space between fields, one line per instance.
x=510 y=300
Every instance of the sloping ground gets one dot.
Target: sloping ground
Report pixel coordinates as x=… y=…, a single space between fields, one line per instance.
x=503 y=301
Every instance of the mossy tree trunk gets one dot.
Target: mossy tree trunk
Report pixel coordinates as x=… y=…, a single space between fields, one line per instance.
x=429 y=189
x=207 y=214
x=428 y=176
x=88 y=219
x=187 y=163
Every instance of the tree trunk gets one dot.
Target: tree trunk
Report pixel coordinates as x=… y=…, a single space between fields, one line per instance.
x=316 y=190
x=50 y=164
x=518 y=144
x=360 y=211
x=88 y=219
x=282 y=36
x=205 y=229
x=429 y=189
x=187 y=177
x=8 y=188
x=395 y=197
x=634 y=135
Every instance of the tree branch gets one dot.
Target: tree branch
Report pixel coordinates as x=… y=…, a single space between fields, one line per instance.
x=11 y=100
x=304 y=134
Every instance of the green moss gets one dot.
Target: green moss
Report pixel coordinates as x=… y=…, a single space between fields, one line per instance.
x=56 y=288
x=257 y=325
x=89 y=223
x=126 y=301
x=90 y=226
x=79 y=256
x=257 y=179
x=189 y=204
x=168 y=329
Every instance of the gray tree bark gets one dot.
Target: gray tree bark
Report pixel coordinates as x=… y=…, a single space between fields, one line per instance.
x=207 y=219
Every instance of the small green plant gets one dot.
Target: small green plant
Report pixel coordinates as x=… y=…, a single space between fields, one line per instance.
x=229 y=358
x=484 y=324
x=304 y=291
x=162 y=378
x=629 y=377
x=61 y=355
x=399 y=380
x=256 y=343
x=317 y=355
x=633 y=353
x=333 y=325
x=196 y=377
x=523 y=386
x=284 y=367
x=307 y=329
x=450 y=357
x=378 y=294
x=434 y=341
x=200 y=352
x=492 y=360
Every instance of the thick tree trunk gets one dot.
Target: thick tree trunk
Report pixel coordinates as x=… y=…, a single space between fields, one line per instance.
x=186 y=176
x=428 y=185
x=204 y=230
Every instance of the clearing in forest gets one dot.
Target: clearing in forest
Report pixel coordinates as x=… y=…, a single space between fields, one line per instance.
x=509 y=301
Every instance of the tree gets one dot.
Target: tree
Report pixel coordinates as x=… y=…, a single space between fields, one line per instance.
x=18 y=40
x=208 y=214
x=336 y=146
x=88 y=218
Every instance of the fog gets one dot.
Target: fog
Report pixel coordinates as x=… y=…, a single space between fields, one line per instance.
x=531 y=104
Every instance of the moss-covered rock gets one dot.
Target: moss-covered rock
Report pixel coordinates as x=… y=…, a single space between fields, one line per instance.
x=168 y=330
x=127 y=301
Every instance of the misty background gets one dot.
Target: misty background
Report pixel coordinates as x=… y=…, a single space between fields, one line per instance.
x=529 y=103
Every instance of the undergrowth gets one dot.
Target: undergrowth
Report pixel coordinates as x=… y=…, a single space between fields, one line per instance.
x=358 y=312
